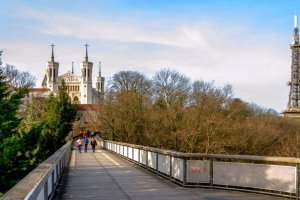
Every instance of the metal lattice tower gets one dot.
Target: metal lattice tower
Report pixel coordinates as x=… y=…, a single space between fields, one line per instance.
x=293 y=108
x=294 y=96
x=1 y=57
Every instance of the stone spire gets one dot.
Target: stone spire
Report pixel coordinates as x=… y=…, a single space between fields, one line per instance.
x=72 y=67
x=99 y=68
x=86 y=53
x=52 y=55
x=51 y=72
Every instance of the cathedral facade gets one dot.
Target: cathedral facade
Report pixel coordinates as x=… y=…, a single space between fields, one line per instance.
x=80 y=87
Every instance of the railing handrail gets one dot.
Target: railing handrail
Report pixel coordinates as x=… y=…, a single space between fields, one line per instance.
x=290 y=160
x=30 y=186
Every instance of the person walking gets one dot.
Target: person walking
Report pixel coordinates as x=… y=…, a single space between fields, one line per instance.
x=79 y=144
x=86 y=142
x=84 y=135
x=93 y=144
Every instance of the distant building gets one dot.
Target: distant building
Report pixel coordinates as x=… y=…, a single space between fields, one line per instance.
x=79 y=87
x=89 y=117
x=293 y=108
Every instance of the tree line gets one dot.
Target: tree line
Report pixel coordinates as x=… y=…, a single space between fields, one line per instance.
x=170 y=111
x=30 y=136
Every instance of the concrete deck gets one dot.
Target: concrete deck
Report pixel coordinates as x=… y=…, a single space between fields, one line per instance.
x=104 y=175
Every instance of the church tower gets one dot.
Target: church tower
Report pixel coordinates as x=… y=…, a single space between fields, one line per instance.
x=293 y=108
x=100 y=85
x=86 y=80
x=51 y=73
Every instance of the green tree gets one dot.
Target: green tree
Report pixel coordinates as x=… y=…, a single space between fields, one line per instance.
x=10 y=142
x=61 y=114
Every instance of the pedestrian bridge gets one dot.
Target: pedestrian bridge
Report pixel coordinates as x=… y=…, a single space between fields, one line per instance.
x=126 y=171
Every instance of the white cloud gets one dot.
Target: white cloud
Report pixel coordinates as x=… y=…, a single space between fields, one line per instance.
x=257 y=66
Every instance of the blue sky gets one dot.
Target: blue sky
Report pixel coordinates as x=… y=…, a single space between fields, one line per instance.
x=241 y=42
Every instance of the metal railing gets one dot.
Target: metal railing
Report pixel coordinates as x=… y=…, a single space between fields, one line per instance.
x=260 y=174
x=41 y=182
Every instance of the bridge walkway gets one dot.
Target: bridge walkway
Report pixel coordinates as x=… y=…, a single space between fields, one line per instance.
x=104 y=175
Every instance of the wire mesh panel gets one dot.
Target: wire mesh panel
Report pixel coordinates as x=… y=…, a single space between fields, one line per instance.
x=50 y=184
x=152 y=160
x=263 y=176
x=55 y=176
x=164 y=164
x=121 y=150
x=143 y=157
x=125 y=151
x=130 y=152
x=136 y=154
x=41 y=195
x=117 y=148
x=198 y=171
x=177 y=168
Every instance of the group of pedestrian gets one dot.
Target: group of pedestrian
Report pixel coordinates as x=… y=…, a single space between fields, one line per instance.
x=86 y=142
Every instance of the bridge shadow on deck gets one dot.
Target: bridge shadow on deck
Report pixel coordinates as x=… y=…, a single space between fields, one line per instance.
x=104 y=175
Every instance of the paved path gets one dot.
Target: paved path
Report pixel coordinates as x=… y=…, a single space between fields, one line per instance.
x=104 y=175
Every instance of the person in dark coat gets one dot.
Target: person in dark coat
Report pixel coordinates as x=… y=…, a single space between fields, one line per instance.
x=93 y=144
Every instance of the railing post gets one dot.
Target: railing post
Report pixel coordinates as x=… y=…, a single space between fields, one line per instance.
x=63 y=160
x=184 y=172
x=297 y=181
x=46 y=190
x=53 y=184
x=132 y=153
x=211 y=173
x=147 y=158
x=127 y=152
x=156 y=163
x=139 y=155
x=170 y=167
x=56 y=174
x=61 y=166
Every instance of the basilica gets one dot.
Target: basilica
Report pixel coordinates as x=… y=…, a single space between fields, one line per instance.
x=80 y=87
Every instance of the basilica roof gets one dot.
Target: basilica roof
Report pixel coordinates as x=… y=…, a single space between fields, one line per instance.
x=69 y=77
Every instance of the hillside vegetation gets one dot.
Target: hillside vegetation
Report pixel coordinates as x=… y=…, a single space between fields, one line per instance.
x=169 y=111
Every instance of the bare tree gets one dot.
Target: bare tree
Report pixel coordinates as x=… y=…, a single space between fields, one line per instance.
x=130 y=81
x=170 y=94
x=18 y=78
x=171 y=86
x=128 y=93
